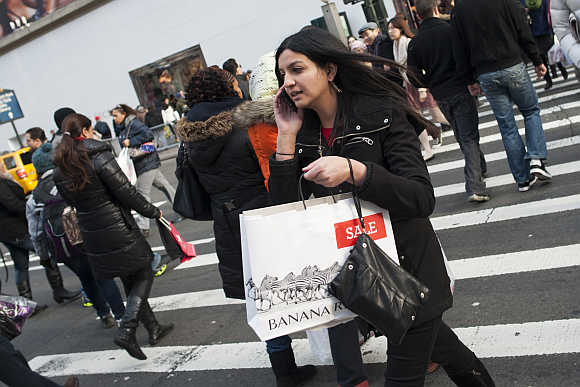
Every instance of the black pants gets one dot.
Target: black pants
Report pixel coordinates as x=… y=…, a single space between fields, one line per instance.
x=15 y=371
x=432 y=340
x=137 y=289
x=19 y=252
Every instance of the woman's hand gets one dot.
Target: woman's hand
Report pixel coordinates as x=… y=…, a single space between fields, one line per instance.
x=331 y=171
x=160 y=214
x=422 y=95
x=126 y=143
x=288 y=120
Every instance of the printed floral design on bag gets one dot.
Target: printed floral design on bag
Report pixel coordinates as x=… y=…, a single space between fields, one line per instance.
x=311 y=284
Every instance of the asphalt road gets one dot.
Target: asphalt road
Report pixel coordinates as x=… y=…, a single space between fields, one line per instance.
x=520 y=313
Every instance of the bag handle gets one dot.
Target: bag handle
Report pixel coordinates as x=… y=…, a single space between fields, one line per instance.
x=301 y=192
x=355 y=196
x=165 y=222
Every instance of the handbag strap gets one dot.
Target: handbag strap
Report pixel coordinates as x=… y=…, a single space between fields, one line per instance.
x=355 y=196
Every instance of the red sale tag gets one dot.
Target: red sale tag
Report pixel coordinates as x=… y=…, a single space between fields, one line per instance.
x=347 y=232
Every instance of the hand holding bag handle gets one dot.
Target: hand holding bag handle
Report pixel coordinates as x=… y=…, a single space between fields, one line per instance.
x=373 y=286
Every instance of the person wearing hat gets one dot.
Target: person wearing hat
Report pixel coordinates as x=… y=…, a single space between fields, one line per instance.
x=103 y=128
x=377 y=43
x=59 y=117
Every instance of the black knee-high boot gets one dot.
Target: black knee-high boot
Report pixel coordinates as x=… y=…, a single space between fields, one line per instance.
x=59 y=293
x=156 y=330
x=126 y=336
x=288 y=374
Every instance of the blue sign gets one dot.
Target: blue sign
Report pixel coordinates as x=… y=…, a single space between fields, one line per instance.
x=9 y=106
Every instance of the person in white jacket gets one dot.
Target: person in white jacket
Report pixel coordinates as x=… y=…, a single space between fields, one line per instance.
x=563 y=12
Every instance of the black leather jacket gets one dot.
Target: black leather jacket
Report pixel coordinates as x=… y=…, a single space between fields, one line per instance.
x=112 y=239
x=379 y=135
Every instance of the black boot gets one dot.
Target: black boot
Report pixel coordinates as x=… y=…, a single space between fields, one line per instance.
x=548 y=81
x=563 y=71
x=554 y=71
x=25 y=291
x=477 y=377
x=286 y=371
x=126 y=336
x=156 y=330
x=59 y=293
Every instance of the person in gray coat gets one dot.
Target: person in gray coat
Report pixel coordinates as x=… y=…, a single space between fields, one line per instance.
x=565 y=18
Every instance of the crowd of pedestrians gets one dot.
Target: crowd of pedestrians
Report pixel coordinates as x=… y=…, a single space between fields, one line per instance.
x=247 y=143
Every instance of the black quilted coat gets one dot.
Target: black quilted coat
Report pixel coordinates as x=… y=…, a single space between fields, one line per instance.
x=112 y=240
x=220 y=152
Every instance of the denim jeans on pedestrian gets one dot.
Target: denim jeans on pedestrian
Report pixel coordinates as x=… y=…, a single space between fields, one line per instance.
x=19 y=253
x=503 y=88
x=104 y=294
x=461 y=112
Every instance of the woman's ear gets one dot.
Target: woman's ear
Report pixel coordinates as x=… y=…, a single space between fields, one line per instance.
x=331 y=70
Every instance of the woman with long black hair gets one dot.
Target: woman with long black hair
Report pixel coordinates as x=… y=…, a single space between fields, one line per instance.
x=331 y=108
x=90 y=180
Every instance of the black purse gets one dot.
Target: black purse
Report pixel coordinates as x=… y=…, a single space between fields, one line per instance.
x=373 y=286
x=191 y=199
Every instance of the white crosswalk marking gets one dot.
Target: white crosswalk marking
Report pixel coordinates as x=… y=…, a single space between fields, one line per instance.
x=526 y=339
x=480 y=243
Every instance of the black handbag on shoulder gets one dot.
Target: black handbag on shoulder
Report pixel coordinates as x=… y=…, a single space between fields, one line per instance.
x=191 y=199
x=373 y=286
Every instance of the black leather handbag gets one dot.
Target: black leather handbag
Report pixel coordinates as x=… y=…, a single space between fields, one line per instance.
x=191 y=199
x=373 y=286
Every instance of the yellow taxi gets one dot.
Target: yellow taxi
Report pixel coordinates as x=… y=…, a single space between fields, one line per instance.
x=19 y=165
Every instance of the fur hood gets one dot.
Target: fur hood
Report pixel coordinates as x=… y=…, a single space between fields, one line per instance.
x=196 y=131
x=254 y=112
x=242 y=116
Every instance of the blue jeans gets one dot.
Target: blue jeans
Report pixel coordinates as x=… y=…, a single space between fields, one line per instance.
x=19 y=252
x=461 y=112
x=503 y=88
x=104 y=294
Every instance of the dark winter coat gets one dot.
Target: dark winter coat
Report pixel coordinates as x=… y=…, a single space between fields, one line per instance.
x=112 y=239
x=431 y=55
x=378 y=134
x=228 y=169
x=12 y=211
x=492 y=34
x=138 y=134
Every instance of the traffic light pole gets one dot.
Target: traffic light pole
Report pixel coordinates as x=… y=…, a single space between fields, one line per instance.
x=333 y=23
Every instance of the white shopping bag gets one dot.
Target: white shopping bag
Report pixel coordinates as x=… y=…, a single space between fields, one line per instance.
x=127 y=166
x=290 y=256
x=320 y=344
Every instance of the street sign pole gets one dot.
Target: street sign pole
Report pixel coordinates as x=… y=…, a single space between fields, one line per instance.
x=15 y=130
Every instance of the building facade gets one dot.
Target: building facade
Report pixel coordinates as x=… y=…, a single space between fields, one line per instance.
x=89 y=61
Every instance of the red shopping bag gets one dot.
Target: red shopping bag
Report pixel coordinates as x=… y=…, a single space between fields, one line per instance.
x=175 y=246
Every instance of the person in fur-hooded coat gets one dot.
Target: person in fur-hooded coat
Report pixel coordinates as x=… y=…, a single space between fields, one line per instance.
x=216 y=144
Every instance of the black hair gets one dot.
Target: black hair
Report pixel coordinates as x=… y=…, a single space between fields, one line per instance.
x=128 y=110
x=36 y=133
x=231 y=66
x=352 y=76
x=209 y=85
x=71 y=156
x=425 y=8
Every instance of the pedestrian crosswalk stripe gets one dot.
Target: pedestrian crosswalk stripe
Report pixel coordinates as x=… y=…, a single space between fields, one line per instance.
x=500 y=340
x=515 y=211
x=519 y=117
x=213 y=297
x=551 y=145
x=496 y=181
x=497 y=136
x=517 y=262
x=197 y=243
x=200 y=260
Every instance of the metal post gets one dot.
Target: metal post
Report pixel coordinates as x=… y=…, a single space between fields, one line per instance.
x=333 y=23
x=16 y=131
